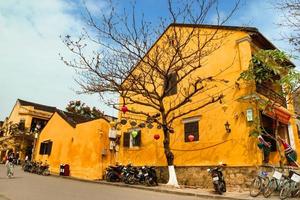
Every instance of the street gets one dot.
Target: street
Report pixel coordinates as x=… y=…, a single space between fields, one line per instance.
x=26 y=186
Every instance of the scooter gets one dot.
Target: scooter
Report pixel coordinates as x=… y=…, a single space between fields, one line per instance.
x=114 y=173
x=218 y=178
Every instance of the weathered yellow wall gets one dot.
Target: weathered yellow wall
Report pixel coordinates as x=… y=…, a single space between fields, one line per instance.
x=214 y=145
x=80 y=147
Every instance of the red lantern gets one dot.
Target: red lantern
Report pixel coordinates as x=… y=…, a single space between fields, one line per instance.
x=156 y=136
x=191 y=138
x=124 y=109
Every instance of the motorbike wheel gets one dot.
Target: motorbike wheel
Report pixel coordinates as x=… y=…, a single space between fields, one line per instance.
x=224 y=186
x=109 y=177
x=131 y=179
x=46 y=173
x=218 y=187
x=150 y=182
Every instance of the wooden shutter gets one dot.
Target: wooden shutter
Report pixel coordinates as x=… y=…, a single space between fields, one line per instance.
x=191 y=128
x=49 y=148
x=126 y=139
x=171 y=84
x=138 y=139
x=42 y=146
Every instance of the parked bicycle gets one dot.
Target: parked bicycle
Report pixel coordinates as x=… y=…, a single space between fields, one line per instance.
x=276 y=183
x=291 y=187
x=259 y=183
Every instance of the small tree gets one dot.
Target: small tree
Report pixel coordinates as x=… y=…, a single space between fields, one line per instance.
x=79 y=108
x=147 y=76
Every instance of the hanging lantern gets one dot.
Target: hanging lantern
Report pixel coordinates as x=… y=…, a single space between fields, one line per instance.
x=150 y=126
x=156 y=136
x=134 y=134
x=133 y=123
x=171 y=130
x=123 y=121
x=142 y=125
x=124 y=109
x=158 y=127
x=191 y=137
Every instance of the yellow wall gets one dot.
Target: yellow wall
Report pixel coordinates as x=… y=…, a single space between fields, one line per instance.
x=214 y=145
x=79 y=147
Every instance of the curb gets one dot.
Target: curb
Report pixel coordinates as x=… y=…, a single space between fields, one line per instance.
x=156 y=189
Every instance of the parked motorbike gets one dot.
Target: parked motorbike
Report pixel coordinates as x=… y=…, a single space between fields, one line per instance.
x=218 y=178
x=114 y=173
x=149 y=175
x=43 y=169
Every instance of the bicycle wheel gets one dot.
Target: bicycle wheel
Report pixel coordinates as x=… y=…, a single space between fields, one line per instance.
x=255 y=187
x=270 y=188
x=285 y=191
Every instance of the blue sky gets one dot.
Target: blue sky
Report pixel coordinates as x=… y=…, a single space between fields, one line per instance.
x=30 y=44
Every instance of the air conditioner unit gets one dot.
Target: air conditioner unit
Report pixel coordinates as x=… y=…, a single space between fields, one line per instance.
x=112 y=134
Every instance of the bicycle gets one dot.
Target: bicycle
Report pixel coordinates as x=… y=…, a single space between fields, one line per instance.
x=276 y=183
x=259 y=183
x=291 y=188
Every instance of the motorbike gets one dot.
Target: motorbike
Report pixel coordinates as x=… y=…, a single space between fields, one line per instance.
x=114 y=173
x=150 y=176
x=218 y=178
x=43 y=169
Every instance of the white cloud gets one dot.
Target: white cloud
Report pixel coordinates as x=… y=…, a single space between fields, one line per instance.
x=29 y=63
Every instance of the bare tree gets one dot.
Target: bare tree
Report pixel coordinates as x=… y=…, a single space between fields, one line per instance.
x=290 y=10
x=147 y=76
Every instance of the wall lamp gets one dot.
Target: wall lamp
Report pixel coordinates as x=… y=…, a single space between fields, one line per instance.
x=227 y=127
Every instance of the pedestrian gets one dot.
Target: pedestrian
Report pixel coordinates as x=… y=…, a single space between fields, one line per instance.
x=10 y=166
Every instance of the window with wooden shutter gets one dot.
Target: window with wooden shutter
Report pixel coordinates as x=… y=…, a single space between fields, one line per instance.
x=170 y=84
x=191 y=128
x=126 y=139
x=136 y=142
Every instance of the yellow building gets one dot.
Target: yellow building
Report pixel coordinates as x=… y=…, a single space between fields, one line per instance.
x=81 y=143
x=220 y=131
x=17 y=132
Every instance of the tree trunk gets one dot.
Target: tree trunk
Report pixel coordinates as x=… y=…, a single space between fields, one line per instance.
x=170 y=158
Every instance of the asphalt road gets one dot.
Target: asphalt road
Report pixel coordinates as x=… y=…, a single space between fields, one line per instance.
x=26 y=186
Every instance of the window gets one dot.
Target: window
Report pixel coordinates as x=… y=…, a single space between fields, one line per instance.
x=45 y=148
x=130 y=141
x=170 y=84
x=191 y=127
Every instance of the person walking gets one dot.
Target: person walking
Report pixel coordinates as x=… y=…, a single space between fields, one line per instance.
x=10 y=166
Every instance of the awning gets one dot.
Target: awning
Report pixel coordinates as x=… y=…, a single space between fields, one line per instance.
x=278 y=113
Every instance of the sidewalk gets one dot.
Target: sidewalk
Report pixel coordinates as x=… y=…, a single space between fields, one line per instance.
x=206 y=193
